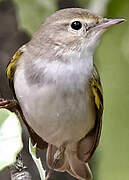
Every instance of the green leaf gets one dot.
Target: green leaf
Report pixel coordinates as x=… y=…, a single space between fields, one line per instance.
x=33 y=12
x=83 y=3
x=10 y=138
x=32 y=150
x=112 y=60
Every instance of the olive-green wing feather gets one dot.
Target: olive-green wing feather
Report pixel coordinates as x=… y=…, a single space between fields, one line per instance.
x=10 y=71
x=89 y=143
x=11 y=68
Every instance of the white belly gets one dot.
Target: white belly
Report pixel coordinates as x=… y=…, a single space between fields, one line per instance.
x=57 y=113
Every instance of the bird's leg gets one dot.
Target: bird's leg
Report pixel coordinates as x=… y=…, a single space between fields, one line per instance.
x=59 y=154
x=8 y=104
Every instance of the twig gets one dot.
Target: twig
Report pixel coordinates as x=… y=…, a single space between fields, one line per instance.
x=18 y=171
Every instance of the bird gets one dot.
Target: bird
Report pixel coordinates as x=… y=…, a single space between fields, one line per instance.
x=57 y=85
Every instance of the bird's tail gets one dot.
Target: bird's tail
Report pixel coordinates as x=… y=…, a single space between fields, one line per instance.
x=69 y=162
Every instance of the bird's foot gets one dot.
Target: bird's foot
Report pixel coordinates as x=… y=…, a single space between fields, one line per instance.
x=8 y=104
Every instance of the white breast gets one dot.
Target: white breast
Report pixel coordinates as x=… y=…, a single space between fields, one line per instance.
x=61 y=111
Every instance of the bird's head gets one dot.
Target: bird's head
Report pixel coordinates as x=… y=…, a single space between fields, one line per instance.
x=73 y=29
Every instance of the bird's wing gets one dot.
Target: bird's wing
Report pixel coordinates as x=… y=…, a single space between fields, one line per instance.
x=11 y=68
x=10 y=71
x=88 y=144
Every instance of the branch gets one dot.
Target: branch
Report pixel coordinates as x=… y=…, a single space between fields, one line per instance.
x=18 y=171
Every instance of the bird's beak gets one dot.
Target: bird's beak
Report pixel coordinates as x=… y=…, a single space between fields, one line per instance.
x=106 y=23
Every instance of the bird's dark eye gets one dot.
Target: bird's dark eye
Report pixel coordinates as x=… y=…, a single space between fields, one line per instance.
x=76 y=25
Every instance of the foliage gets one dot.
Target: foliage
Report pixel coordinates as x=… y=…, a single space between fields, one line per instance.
x=112 y=59
x=83 y=3
x=32 y=12
x=10 y=138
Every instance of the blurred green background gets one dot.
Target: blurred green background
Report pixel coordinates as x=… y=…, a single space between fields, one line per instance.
x=111 y=160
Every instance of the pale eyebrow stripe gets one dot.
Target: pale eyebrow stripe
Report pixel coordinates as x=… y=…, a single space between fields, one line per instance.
x=69 y=21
